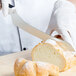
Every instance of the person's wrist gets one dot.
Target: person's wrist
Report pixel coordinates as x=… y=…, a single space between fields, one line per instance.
x=0 y=4
x=73 y=1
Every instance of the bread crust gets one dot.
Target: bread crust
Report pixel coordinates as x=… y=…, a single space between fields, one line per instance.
x=31 y=68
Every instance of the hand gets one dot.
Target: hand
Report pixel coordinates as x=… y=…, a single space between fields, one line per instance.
x=73 y=1
x=63 y=21
x=5 y=6
x=0 y=4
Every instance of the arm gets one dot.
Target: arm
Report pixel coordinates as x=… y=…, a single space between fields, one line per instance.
x=64 y=21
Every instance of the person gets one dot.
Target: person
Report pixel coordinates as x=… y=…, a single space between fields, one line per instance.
x=43 y=15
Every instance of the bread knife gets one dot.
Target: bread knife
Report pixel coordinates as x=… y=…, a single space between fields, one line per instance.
x=18 y=21
x=8 y=6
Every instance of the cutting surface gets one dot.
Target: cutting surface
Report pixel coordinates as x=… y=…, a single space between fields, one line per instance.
x=7 y=64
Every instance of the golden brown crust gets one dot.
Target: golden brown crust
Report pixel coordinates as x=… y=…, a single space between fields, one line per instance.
x=18 y=65
x=70 y=63
x=30 y=68
x=46 y=69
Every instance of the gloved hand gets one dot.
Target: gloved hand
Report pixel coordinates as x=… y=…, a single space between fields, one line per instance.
x=5 y=6
x=63 y=22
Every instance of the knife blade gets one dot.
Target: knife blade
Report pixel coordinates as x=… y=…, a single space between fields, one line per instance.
x=8 y=7
x=18 y=21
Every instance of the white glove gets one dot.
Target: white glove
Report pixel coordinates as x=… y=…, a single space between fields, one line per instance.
x=63 y=21
x=5 y=6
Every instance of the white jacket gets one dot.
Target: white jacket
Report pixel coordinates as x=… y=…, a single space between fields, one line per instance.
x=38 y=14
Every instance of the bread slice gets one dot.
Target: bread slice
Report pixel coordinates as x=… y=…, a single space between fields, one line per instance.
x=56 y=52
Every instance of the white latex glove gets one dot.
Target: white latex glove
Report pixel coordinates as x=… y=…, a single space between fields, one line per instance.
x=63 y=21
x=5 y=6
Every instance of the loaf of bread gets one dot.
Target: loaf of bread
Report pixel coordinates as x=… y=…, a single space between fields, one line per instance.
x=24 y=67
x=56 y=52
